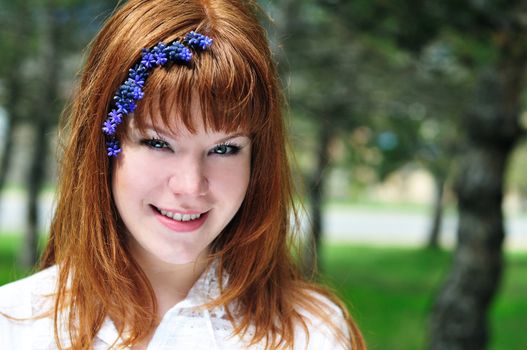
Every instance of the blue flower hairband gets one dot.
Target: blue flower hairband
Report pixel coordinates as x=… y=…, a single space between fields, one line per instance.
x=131 y=91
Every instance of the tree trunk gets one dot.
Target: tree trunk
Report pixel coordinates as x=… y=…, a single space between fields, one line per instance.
x=44 y=116
x=35 y=180
x=7 y=148
x=316 y=196
x=13 y=102
x=6 y=153
x=459 y=316
x=437 y=213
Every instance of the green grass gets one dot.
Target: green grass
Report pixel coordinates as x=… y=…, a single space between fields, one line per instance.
x=509 y=313
x=389 y=291
x=9 y=269
x=10 y=246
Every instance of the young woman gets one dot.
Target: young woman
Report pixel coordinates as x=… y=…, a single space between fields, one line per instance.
x=172 y=226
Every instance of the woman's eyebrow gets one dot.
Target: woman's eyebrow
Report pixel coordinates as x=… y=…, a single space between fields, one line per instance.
x=157 y=129
x=232 y=136
x=162 y=131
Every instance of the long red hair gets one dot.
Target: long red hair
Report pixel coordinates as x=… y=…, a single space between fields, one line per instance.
x=237 y=85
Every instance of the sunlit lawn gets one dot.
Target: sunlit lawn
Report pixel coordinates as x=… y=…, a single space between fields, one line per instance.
x=9 y=247
x=389 y=291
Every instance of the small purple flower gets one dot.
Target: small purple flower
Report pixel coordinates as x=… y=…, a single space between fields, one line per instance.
x=159 y=54
x=125 y=105
x=109 y=128
x=130 y=91
x=148 y=60
x=185 y=55
x=113 y=148
x=178 y=52
x=138 y=74
x=121 y=106
x=132 y=106
x=137 y=93
x=115 y=117
x=139 y=80
x=198 y=41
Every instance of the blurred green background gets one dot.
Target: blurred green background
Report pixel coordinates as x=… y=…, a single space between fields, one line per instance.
x=407 y=123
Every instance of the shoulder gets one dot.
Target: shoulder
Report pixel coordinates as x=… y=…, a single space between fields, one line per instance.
x=18 y=298
x=20 y=302
x=324 y=321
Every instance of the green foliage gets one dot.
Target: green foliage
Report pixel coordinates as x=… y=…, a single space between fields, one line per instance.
x=390 y=78
x=23 y=25
x=426 y=54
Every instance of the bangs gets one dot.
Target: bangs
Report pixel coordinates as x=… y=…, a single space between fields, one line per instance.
x=229 y=88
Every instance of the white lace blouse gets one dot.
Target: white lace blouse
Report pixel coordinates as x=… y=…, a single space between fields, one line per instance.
x=184 y=326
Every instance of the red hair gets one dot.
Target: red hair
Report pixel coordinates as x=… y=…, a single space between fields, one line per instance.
x=237 y=85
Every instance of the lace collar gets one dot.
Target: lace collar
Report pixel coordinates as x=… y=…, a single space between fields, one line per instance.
x=204 y=290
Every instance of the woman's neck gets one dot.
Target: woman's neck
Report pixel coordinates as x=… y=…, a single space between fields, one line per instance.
x=170 y=282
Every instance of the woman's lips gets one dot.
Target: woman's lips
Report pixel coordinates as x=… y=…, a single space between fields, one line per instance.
x=180 y=221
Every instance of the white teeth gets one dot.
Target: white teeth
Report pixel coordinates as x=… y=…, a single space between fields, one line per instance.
x=180 y=217
x=167 y=213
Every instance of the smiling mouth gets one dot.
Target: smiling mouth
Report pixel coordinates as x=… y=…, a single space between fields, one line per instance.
x=178 y=216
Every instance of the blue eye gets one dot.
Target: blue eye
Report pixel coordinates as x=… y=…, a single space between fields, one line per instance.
x=225 y=149
x=155 y=143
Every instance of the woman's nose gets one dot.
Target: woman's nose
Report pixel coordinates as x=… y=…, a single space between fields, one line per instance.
x=188 y=177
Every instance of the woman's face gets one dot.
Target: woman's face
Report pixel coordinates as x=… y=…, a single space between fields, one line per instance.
x=176 y=192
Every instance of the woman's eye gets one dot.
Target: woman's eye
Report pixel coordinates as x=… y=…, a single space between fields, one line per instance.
x=225 y=149
x=155 y=143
